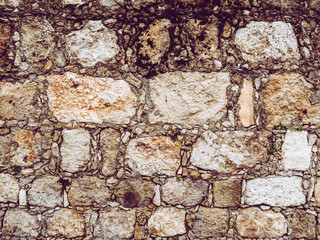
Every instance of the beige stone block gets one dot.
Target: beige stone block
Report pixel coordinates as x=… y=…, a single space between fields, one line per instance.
x=227 y=193
x=246 y=112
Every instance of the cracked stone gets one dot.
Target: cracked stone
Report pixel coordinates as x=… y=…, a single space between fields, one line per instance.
x=9 y=188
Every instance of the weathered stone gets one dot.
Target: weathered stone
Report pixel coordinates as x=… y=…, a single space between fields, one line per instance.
x=37 y=38
x=10 y=3
x=153 y=155
x=287 y=98
x=209 y=222
x=296 y=152
x=303 y=225
x=87 y=191
x=92 y=44
x=228 y=151
x=9 y=188
x=167 y=222
x=75 y=149
x=67 y=223
x=89 y=99
x=314 y=4
x=317 y=192
x=74 y=2
x=20 y=223
x=284 y=4
x=46 y=191
x=134 y=192
x=110 y=141
x=185 y=191
x=263 y=41
x=112 y=4
x=246 y=113
x=16 y=100
x=227 y=193
x=275 y=191
x=154 y=42
x=142 y=3
x=189 y=97
x=254 y=223
x=115 y=224
x=5 y=33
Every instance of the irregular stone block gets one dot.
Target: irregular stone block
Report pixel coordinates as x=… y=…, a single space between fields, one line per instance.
x=185 y=191
x=263 y=41
x=9 y=188
x=317 y=192
x=115 y=224
x=134 y=192
x=5 y=33
x=92 y=44
x=153 y=155
x=189 y=97
x=167 y=222
x=19 y=223
x=10 y=3
x=254 y=223
x=90 y=99
x=16 y=100
x=67 y=223
x=227 y=193
x=303 y=225
x=228 y=151
x=46 y=191
x=275 y=191
x=87 y=191
x=296 y=152
x=246 y=113
x=209 y=222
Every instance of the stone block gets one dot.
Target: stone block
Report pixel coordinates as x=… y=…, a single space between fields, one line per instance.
x=9 y=188
x=303 y=225
x=227 y=193
x=246 y=112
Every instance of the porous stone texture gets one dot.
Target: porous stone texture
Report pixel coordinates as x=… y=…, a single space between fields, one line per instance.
x=46 y=191
x=134 y=192
x=201 y=97
x=275 y=191
x=167 y=222
x=90 y=99
x=92 y=44
x=227 y=193
x=255 y=223
x=17 y=100
x=10 y=3
x=37 y=38
x=115 y=224
x=9 y=188
x=296 y=152
x=153 y=155
x=185 y=192
x=5 y=33
x=66 y=223
x=75 y=149
x=18 y=222
x=303 y=225
x=208 y=222
x=88 y=191
x=264 y=41
x=246 y=112
x=228 y=151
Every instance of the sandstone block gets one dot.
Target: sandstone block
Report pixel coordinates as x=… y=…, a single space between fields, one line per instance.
x=227 y=193
x=9 y=188
x=5 y=33
x=189 y=97
x=303 y=225
x=246 y=113
x=90 y=99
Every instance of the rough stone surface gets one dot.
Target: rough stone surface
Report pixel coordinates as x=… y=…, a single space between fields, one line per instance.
x=10 y=3
x=112 y=4
x=296 y=152
x=46 y=191
x=89 y=99
x=115 y=224
x=284 y=4
x=92 y=44
x=16 y=100
x=201 y=97
x=142 y=3
x=317 y=192
x=315 y=4
x=303 y=225
x=110 y=141
x=167 y=222
x=262 y=41
x=246 y=113
x=20 y=223
x=184 y=192
x=275 y=191
x=75 y=149
x=5 y=33
x=134 y=192
x=87 y=191
x=74 y=2
x=228 y=151
x=67 y=223
x=227 y=193
x=9 y=188
x=153 y=155
x=254 y=223
x=37 y=38
x=209 y=222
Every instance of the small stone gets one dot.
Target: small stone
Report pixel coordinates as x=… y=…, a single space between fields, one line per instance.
x=246 y=112
x=227 y=30
x=157 y=196
x=303 y=225
x=9 y=188
x=317 y=192
x=112 y=4
x=74 y=2
x=48 y=66
x=23 y=197
x=227 y=193
x=284 y=4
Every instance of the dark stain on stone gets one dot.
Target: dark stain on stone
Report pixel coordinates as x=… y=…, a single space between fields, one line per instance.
x=131 y=199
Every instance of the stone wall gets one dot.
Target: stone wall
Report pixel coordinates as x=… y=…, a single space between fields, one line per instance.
x=159 y=119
